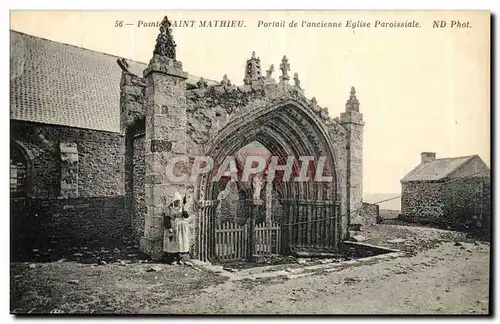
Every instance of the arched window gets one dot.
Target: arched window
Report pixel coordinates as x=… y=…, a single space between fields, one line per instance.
x=18 y=172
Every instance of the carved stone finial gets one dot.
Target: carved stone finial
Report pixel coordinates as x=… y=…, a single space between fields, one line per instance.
x=324 y=113
x=284 y=67
x=270 y=71
x=296 y=80
x=202 y=83
x=123 y=64
x=252 y=70
x=225 y=81
x=314 y=105
x=352 y=103
x=165 y=44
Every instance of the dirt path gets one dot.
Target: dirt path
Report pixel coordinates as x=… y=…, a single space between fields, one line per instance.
x=76 y=288
x=447 y=279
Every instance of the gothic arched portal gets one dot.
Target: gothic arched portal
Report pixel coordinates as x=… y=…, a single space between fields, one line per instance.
x=185 y=117
x=287 y=129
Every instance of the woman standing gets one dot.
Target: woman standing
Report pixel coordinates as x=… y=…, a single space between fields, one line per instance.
x=176 y=231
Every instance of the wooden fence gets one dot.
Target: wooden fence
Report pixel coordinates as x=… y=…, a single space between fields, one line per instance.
x=267 y=239
x=308 y=225
x=312 y=225
x=232 y=240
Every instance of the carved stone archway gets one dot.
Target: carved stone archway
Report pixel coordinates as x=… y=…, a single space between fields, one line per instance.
x=285 y=129
x=218 y=118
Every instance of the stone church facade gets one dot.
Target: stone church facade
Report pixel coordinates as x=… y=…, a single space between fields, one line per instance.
x=93 y=159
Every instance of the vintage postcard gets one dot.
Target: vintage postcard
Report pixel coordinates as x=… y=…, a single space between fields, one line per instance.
x=250 y=162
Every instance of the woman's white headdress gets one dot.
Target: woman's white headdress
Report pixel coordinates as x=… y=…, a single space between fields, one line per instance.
x=177 y=196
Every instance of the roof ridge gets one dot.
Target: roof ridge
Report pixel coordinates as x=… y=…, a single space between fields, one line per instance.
x=469 y=158
x=78 y=47
x=437 y=169
x=97 y=52
x=62 y=106
x=456 y=157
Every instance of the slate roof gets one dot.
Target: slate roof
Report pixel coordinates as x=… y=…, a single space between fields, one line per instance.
x=436 y=170
x=56 y=83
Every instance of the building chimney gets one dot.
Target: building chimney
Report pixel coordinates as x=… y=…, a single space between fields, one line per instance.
x=427 y=157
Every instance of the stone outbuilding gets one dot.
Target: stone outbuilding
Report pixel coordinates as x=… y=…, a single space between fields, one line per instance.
x=448 y=191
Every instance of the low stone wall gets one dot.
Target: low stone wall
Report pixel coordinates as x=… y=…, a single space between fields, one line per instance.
x=369 y=214
x=60 y=223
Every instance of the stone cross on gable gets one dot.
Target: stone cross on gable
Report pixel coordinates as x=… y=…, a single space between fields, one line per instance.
x=165 y=44
x=284 y=67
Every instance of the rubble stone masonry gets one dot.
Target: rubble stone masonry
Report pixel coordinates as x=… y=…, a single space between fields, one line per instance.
x=138 y=208
x=101 y=155
x=460 y=203
x=422 y=201
x=76 y=186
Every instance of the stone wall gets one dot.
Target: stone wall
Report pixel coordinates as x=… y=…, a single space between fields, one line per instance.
x=369 y=214
x=132 y=124
x=101 y=166
x=76 y=187
x=352 y=121
x=43 y=223
x=467 y=203
x=422 y=201
x=132 y=92
x=139 y=208
x=458 y=203
x=165 y=139
x=341 y=158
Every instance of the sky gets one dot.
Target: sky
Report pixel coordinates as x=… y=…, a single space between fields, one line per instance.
x=420 y=89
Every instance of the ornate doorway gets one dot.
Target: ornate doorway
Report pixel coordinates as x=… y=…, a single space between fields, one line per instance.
x=290 y=136
x=184 y=120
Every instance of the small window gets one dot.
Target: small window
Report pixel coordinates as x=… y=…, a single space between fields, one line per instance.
x=18 y=173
